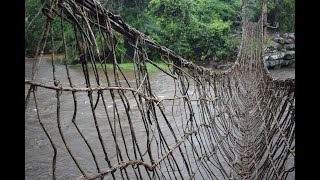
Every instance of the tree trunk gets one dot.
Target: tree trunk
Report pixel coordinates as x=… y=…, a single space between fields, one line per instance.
x=276 y=14
x=264 y=18
x=129 y=50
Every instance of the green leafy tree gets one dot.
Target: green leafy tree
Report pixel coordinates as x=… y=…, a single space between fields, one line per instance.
x=287 y=15
x=34 y=23
x=34 y=20
x=195 y=29
x=281 y=13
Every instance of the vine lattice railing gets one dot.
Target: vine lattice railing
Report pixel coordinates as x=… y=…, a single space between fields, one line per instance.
x=234 y=124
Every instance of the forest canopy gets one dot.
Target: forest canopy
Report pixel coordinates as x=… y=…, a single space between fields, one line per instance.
x=195 y=29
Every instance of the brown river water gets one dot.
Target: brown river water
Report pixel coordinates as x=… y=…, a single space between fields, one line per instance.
x=38 y=151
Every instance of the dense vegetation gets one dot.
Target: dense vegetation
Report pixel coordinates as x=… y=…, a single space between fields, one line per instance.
x=195 y=29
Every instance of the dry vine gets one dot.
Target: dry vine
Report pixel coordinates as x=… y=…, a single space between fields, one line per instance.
x=235 y=124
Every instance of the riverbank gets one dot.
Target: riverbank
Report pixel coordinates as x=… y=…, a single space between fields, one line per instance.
x=123 y=66
x=48 y=57
x=130 y=66
x=283 y=73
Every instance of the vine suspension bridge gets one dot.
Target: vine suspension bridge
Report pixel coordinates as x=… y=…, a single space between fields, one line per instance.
x=234 y=124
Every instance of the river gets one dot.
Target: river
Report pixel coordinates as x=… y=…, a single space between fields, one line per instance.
x=38 y=151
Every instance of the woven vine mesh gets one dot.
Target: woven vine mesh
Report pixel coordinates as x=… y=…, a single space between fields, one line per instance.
x=234 y=124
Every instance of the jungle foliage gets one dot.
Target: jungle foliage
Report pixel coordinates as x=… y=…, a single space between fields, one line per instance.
x=195 y=29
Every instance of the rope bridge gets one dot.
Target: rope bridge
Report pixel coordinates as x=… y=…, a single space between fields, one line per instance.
x=234 y=124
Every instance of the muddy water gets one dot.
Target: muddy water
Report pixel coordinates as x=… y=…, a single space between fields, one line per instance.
x=38 y=151
x=283 y=73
